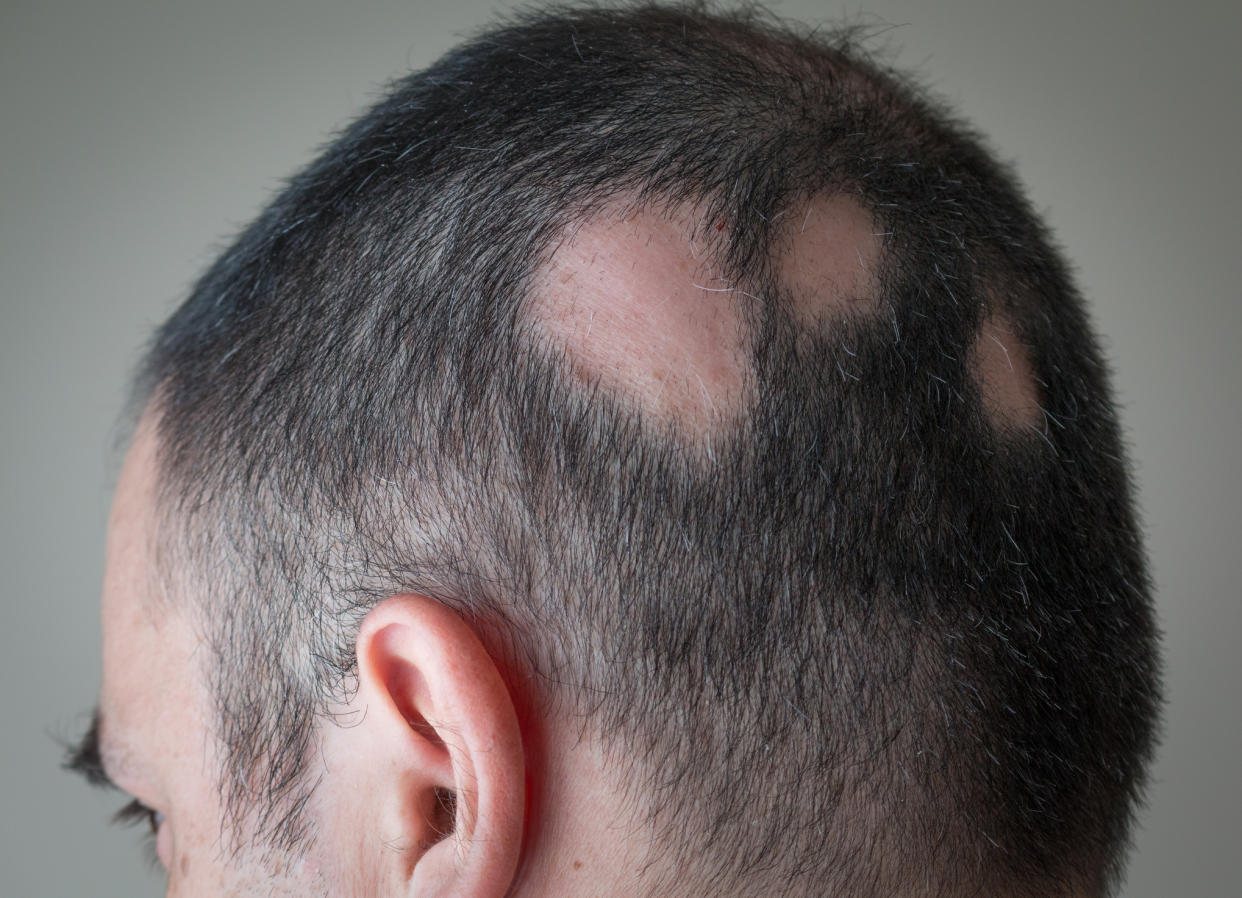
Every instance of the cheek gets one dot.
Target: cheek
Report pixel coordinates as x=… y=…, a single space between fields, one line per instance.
x=164 y=848
x=189 y=845
x=188 y=863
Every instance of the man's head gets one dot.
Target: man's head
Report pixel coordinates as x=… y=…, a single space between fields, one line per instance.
x=650 y=451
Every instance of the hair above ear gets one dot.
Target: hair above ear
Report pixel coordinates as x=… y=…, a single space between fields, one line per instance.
x=449 y=745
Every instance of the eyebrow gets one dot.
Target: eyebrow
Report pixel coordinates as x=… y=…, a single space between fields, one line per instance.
x=86 y=759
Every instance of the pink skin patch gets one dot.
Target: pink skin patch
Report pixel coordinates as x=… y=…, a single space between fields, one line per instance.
x=1002 y=368
x=633 y=301
x=827 y=257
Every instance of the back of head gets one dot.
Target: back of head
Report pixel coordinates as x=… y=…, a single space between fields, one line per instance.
x=850 y=590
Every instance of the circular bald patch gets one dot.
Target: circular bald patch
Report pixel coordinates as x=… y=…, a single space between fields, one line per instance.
x=827 y=257
x=632 y=300
x=1002 y=367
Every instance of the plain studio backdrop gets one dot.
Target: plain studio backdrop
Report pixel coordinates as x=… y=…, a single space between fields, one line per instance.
x=137 y=137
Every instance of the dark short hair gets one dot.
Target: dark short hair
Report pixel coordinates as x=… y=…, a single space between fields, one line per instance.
x=862 y=637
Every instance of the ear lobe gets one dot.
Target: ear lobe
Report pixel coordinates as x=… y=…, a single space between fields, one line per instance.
x=437 y=703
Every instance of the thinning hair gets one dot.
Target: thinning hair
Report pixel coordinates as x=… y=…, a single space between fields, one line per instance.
x=857 y=636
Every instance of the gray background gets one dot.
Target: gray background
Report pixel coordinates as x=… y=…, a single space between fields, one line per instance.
x=135 y=137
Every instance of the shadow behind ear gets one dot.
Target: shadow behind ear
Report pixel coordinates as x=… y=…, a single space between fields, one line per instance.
x=444 y=731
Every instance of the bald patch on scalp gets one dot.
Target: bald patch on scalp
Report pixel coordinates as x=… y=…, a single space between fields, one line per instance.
x=632 y=299
x=827 y=257
x=1001 y=365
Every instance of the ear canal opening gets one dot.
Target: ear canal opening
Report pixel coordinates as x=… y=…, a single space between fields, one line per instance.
x=443 y=814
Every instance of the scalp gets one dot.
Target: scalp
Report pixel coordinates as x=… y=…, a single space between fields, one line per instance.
x=1001 y=365
x=634 y=300
x=637 y=299
x=827 y=257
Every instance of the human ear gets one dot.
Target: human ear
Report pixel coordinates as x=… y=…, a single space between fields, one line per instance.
x=445 y=748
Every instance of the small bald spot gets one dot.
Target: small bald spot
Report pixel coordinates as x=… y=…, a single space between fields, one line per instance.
x=827 y=257
x=633 y=300
x=1002 y=368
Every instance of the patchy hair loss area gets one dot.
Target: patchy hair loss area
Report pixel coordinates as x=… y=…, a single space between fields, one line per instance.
x=827 y=257
x=634 y=301
x=1001 y=365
